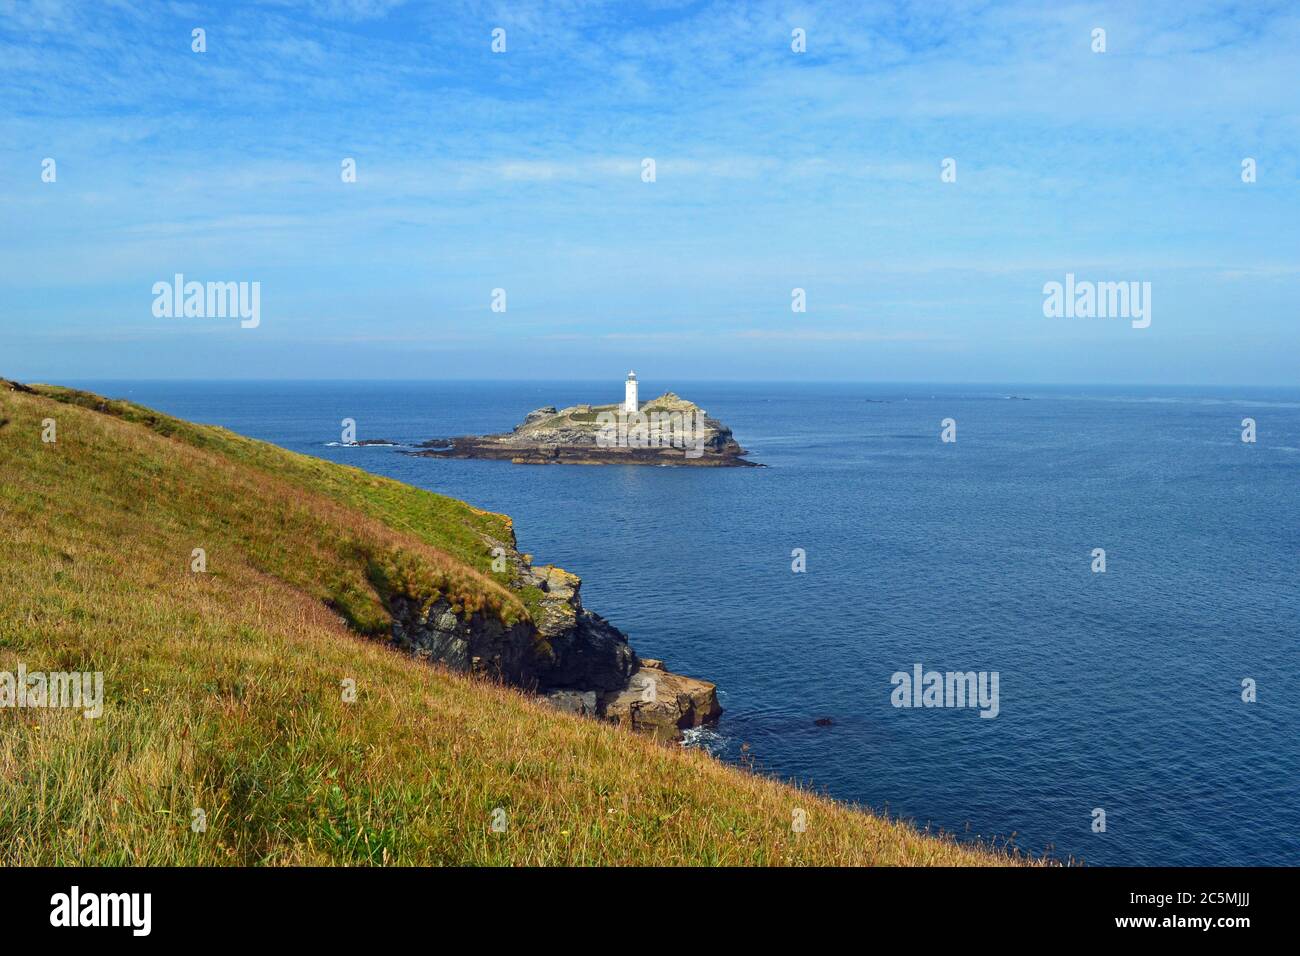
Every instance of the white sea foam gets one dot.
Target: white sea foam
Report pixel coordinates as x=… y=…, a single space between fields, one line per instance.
x=706 y=739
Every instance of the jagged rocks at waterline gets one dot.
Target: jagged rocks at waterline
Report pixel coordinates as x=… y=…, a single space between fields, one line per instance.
x=574 y=658
x=654 y=700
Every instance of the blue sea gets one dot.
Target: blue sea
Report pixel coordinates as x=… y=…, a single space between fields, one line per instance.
x=1120 y=691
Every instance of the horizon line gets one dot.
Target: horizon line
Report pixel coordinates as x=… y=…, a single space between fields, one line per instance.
x=705 y=381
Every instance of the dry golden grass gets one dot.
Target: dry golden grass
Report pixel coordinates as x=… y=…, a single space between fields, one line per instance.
x=223 y=689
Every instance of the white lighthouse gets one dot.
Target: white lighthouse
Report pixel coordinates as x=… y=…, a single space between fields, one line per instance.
x=629 y=393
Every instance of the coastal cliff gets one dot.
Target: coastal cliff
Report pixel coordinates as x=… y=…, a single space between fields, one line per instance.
x=574 y=658
x=668 y=430
x=476 y=605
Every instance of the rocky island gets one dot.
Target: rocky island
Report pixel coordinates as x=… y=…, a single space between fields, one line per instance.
x=668 y=430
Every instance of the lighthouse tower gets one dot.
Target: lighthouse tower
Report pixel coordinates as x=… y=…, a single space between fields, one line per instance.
x=629 y=393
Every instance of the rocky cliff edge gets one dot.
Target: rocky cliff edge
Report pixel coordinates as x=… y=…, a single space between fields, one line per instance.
x=572 y=657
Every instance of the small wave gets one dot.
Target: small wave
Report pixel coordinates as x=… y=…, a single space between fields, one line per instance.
x=706 y=739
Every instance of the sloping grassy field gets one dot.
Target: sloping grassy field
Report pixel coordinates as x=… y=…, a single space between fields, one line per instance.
x=223 y=690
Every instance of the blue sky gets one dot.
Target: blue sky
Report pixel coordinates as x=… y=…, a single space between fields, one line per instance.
x=774 y=170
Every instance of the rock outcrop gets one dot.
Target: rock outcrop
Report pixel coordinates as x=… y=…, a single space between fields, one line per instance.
x=668 y=430
x=574 y=658
x=660 y=702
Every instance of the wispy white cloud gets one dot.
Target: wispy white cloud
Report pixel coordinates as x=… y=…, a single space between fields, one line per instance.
x=774 y=170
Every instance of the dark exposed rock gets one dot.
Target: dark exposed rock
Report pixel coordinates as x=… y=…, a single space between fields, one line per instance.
x=537 y=415
x=480 y=644
x=572 y=648
x=579 y=702
x=574 y=658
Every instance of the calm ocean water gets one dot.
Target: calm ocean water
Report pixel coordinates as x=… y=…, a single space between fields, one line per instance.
x=1119 y=690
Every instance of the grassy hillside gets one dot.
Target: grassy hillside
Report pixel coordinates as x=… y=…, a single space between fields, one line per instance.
x=223 y=689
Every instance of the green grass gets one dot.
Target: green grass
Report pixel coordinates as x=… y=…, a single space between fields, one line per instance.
x=445 y=523
x=223 y=689
x=582 y=418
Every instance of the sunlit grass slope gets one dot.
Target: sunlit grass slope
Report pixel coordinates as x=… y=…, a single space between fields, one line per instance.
x=223 y=690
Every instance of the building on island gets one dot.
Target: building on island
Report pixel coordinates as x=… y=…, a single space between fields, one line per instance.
x=629 y=393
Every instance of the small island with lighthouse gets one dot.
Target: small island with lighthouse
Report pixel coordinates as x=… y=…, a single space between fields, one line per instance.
x=668 y=430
